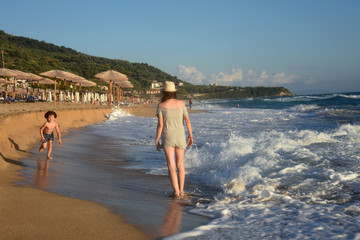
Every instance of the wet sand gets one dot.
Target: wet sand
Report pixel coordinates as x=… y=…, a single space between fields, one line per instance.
x=82 y=168
x=29 y=213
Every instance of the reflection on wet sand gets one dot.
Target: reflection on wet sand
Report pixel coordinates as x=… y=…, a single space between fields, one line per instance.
x=172 y=219
x=42 y=175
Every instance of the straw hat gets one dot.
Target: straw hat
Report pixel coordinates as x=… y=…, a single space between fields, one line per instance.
x=169 y=87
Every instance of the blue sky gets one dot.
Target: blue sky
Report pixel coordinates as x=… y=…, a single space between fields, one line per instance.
x=308 y=46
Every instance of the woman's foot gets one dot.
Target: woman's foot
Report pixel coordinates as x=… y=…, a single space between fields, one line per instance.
x=176 y=195
x=182 y=194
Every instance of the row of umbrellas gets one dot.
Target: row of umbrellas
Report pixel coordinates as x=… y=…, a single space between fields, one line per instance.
x=114 y=78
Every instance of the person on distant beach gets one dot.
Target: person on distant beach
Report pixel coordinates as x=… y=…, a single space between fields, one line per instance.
x=190 y=103
x=171 y=114
x=47 y=134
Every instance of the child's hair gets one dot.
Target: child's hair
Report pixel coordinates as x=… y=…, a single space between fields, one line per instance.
x=49 y=113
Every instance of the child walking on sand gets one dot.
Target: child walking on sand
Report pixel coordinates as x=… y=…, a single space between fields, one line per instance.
x=47 y=134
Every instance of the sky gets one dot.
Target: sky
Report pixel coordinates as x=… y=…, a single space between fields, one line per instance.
x=307 y=46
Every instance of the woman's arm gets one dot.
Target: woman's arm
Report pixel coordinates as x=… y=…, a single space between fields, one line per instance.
x=159 y=131
x=190 y=139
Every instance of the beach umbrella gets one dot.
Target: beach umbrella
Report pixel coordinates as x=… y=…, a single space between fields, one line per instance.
x=31 y=76
x=122 y=85
x=85 y=83
x=111 y=77
x=46 y=81
x=61 y=75
x=5 y=72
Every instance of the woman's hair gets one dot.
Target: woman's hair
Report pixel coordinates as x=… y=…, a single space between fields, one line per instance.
x=168 y=95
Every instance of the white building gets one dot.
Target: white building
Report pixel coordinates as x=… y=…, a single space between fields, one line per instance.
x=156 y=85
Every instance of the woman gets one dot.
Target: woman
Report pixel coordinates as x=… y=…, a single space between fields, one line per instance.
x=171 y=114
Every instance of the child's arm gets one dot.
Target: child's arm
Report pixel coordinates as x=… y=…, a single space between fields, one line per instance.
x=58 y=132
x=42 y=132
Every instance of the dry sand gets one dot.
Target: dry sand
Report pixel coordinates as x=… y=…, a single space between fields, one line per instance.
x=28 y=213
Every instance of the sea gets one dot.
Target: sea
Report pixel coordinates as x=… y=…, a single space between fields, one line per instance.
x=260 y=168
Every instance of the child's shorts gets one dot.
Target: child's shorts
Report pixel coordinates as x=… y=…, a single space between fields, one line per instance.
x=48 y=137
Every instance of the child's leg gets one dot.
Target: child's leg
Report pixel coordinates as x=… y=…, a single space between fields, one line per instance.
x=42 y=147
x=49 y=149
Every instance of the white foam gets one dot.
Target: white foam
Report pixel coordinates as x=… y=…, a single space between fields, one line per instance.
x=278 y=177
x=117 y=113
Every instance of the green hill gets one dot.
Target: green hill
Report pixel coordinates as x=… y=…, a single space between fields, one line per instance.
x=35 y=56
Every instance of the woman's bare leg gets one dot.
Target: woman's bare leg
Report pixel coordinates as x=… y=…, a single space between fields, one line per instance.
x=170 y=159
x=181 y=169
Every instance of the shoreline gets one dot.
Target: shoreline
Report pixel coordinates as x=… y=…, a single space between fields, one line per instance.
x=32 y=213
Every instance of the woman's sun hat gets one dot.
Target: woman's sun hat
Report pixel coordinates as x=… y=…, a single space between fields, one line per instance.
x=169 y=87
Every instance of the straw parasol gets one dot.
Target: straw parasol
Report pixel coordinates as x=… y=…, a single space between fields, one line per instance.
x=5 y=72
x=112 y=77
x=46 y=81
x=85 y=83
x=61 y=75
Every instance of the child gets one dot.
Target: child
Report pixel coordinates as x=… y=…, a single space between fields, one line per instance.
x=46 y=132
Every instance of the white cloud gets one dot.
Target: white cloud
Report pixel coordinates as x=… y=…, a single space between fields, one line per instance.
x=191 y=74
x=281 y=78
x=264 y=75
x=236 y=77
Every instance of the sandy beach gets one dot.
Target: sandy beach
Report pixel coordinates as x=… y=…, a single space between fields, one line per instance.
x=29 y=213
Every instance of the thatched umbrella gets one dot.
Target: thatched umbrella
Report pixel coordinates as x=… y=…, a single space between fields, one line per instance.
x=121 y=85
x=83 y=83
x=111 y=77
x=61 y=75
x=5 y=72
x=12 y=73
x=28 y=77
x=45 y=81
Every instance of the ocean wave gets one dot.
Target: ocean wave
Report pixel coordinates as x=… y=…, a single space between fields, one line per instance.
x=304 y=108
x=252 y=160
x=280 y=182
x=116 y=114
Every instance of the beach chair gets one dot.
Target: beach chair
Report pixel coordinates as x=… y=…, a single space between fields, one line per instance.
x=30 y=99
x=9 y=99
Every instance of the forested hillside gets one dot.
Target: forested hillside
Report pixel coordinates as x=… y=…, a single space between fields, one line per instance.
x=35 y=56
